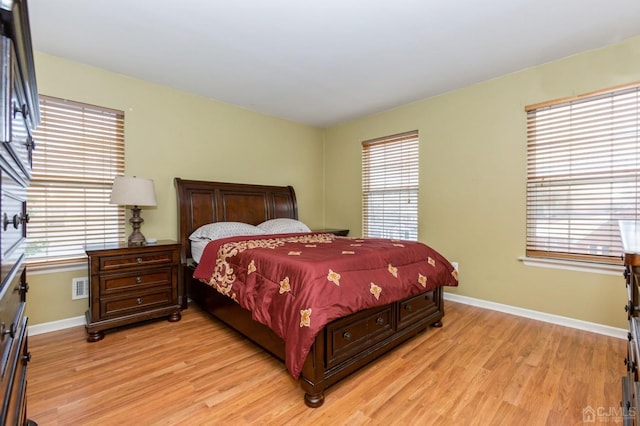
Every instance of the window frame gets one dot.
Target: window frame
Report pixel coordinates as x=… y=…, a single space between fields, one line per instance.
x=79 y=151
x=597 y=135
x=390 y=178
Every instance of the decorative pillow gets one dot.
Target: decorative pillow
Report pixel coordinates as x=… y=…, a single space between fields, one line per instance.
x=215 y=231
x=283 y=226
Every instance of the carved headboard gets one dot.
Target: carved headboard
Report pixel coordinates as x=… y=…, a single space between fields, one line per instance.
x=202 y=202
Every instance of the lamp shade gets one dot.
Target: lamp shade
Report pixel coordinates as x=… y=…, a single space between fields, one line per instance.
x=133 y=191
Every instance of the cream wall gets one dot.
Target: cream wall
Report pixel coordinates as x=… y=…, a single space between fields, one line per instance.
x=472 y=162
x=170 y=133
x=473 y=182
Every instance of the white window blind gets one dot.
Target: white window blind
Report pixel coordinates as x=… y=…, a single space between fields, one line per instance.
x=583 y=174
x=390 y=186
x=79 y=151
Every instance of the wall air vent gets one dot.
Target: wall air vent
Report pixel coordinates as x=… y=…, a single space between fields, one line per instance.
x=80 y=288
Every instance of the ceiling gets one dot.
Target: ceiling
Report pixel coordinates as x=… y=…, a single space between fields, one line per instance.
x=328 y=61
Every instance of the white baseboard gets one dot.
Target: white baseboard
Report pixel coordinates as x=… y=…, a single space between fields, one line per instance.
x=48 y=327
x=620 y=333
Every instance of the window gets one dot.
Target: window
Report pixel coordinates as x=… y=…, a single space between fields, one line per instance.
x=79 y=151
x=583 y=174
x=390 y=187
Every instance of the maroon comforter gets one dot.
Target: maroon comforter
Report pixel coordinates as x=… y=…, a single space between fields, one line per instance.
x=297 y=283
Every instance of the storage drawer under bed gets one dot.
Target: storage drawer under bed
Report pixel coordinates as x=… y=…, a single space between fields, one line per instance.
x=351 y=335
x=416 y=308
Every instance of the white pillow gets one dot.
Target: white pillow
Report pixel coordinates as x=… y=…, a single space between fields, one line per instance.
x=215 y=231
x=283 y=226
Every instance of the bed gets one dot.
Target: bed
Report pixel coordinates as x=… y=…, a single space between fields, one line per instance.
x=343 y=345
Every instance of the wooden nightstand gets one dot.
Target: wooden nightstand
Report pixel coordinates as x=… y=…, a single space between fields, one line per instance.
x=131 y=284
x=337 y=232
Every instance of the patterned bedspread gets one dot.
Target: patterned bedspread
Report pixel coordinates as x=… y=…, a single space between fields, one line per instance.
x=297 y=283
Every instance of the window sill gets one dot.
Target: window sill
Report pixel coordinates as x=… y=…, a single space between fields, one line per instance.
x=598 y=268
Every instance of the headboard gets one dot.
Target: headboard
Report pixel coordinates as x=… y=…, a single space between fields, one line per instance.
x=202 y=202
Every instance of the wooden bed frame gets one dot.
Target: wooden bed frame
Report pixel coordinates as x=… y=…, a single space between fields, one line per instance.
x=343 y=346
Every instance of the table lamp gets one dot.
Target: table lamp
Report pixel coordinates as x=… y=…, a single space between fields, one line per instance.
x=133 y=191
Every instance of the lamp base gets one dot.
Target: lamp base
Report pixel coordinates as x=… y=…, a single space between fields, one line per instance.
x=136 y=238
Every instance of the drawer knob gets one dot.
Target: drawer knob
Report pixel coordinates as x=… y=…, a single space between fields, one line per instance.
x=11 y=331
x=30 y=144
x=26 y=358
x=379 y=320
x=631 y=366
x=138 y=280
x=630 y=308
x=20 y=109
x=139 y=300
x=346 y=335
x=139 y=260
x=407 y=307
x=16 y=221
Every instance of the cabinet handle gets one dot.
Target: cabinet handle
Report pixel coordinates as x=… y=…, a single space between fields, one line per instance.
x=379 y=320
x=25 y=218
x=16 y=221
x=26 y=358
x=5 y=221
x=139 y=260
x=138 y=280
x=139 y=300
x=346 y=335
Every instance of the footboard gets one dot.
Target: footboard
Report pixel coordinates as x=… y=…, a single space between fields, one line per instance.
x=349 y=343
x=343 y=346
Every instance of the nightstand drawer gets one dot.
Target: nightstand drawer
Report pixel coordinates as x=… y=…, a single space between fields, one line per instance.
x=133 y=303
x=156 y=258
x=118 y=283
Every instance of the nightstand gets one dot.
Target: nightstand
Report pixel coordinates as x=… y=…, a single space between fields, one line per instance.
x=337 y=232
x=130 y=284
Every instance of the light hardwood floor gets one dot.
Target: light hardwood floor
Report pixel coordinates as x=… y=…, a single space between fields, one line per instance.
x=483 y=367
